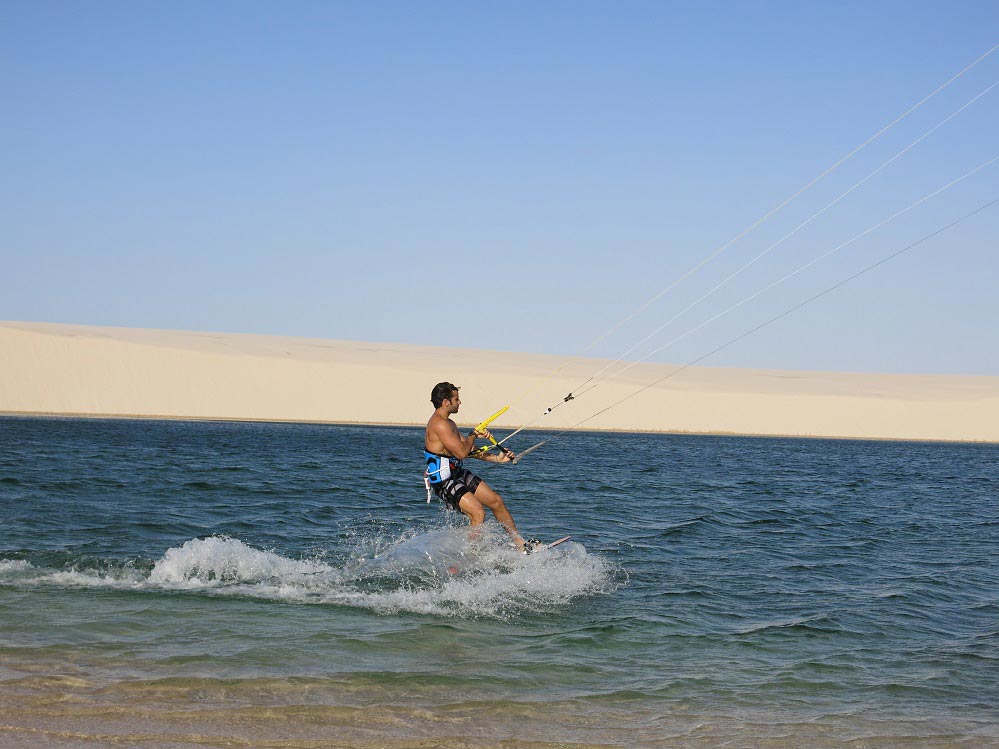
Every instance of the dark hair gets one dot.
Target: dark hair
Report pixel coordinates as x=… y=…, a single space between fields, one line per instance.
x=442 y=391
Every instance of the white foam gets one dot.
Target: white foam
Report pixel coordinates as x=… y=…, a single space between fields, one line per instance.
x=22 y=572
x=122 y=579
x=14 y=565
x=447 y=572
x=219 y=560
x=488 y=578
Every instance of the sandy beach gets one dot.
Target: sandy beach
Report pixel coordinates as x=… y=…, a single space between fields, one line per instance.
x=123 y=372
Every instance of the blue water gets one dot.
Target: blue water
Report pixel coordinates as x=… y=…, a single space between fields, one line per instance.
x=190 y=583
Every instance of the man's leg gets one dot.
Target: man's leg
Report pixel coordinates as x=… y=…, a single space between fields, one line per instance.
x=473 y=508
x=473 y=504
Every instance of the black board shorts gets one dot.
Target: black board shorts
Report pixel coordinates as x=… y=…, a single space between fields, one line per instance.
x=461 y=482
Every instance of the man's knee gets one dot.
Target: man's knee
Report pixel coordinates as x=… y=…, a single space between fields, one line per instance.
x=485 y=494
x=473 y=508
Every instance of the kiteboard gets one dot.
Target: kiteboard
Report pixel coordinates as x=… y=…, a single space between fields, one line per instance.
x=454 y=569
x=534 y=546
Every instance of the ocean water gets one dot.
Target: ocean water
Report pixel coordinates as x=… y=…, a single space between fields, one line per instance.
x=191 y=584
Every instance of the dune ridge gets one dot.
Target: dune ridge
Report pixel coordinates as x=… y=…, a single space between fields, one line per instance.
x=79 y=370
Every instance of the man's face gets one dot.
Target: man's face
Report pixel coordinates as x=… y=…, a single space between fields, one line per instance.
x=453 y=402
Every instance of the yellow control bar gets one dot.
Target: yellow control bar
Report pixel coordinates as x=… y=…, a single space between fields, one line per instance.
x=493 y=418
x=486 y=423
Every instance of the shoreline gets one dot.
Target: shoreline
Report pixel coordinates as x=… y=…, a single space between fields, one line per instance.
x=469 y=425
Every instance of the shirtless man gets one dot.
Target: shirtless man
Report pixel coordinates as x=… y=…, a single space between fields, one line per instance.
x=445 y=448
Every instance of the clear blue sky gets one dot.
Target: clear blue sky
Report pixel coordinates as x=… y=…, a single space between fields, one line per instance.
x=514 y=176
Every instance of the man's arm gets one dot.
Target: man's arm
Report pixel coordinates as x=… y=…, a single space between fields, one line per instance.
x=493 y=458
x=503 y=456
x=453 y=442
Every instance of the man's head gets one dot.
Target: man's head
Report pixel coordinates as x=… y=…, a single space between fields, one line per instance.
x=443 y=391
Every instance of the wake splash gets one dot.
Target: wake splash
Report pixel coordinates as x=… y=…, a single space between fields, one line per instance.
x=442 y=573
x=218 y=560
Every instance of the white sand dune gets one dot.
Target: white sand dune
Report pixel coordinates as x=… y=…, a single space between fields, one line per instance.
x=86 y=370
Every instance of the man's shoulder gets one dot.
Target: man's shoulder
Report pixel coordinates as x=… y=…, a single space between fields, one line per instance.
x=436 y=420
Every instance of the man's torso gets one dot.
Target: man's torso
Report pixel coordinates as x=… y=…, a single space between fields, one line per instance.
x=431 y=442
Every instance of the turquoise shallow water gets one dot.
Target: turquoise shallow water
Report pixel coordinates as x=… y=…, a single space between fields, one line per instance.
x=193 y=584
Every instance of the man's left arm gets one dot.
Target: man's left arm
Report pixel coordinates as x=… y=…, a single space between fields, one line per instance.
x=502 y=456
x=489 y=457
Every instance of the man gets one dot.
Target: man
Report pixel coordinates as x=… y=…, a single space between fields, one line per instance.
x=445 y=448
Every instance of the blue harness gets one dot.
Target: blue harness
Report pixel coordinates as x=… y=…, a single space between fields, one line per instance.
x=440 y=467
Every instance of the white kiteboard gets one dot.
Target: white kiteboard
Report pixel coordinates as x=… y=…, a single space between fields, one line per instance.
x=553 y=544
x=454 y=569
